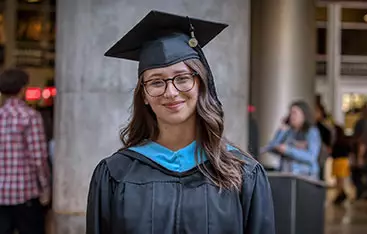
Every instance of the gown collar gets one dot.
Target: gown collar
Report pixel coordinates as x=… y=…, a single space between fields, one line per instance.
x=178 y=161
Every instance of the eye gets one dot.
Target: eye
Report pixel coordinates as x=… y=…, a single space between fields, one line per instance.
x=156 y=83
x=183 y=79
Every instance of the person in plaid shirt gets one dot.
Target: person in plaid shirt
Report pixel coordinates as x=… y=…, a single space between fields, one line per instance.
x=24 y=172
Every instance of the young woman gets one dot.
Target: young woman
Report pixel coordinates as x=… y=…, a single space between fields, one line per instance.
x=176 y=173
x=298 y=142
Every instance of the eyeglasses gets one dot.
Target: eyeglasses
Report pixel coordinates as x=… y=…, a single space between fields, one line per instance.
x=183 y=83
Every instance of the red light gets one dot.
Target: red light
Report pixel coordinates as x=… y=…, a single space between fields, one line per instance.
x=53 y=91
x=33 y=94
x=251 y=109
x=46 y=93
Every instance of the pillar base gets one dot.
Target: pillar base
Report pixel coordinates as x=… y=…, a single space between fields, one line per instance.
x=68 y=224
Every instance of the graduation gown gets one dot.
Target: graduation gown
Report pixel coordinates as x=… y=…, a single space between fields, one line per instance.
x=130 y=193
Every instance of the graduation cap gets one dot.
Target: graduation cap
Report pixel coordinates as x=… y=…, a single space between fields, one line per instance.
x=162 y=39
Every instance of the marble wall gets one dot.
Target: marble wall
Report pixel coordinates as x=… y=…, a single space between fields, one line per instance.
x=95 y=92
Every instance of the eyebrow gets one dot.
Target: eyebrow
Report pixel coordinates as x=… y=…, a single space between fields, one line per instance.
x=181 y=71
x=160 y=74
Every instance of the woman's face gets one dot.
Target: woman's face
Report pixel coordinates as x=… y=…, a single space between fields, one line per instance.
x=173 y=106
x=297 y=118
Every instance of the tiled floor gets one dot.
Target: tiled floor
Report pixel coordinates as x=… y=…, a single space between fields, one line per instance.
x=351 y=218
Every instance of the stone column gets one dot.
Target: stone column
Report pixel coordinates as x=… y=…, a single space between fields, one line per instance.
x=94 y=92
x=282 y=61
x=10 y=24
x=333 y=63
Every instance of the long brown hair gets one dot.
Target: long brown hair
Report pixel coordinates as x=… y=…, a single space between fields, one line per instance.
x=143 y=125
x=308 y=114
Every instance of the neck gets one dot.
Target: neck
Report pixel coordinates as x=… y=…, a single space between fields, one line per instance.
x=6 y=97
x=175 y=137
x=297 y=129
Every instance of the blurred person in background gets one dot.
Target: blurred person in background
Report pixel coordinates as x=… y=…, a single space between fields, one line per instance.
x=326 y=137
x=324 y=117
x=359 y=168
x=24 y=171
x=298 y=142
x=341 y=152
x=47 y=119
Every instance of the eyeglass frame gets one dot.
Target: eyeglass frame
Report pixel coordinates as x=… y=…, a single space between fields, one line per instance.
x=193 y=74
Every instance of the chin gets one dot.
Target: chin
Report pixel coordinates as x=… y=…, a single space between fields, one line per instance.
x=174 y=119
x=177 y=117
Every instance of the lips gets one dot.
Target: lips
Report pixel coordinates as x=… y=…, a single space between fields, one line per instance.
x=174 y=105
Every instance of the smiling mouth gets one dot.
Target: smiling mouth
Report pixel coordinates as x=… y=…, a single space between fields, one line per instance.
x=174 y=105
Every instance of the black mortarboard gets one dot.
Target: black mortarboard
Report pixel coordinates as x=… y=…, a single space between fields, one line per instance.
x=161 y=39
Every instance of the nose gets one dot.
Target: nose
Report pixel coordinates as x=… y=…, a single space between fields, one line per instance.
x=171 y=90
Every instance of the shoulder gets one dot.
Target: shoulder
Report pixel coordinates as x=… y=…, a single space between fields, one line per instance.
x=29 y=113
x=117 y=158
x=117 y=165
x=34 y=116
x=23 y=113
x=255 y=180
x=250 y=165
x=313 y=132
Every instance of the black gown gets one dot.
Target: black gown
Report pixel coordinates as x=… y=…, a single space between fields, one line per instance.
x=131 y=194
